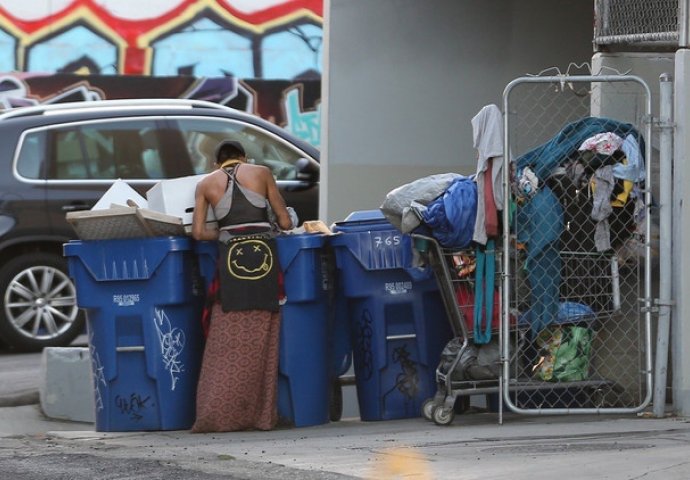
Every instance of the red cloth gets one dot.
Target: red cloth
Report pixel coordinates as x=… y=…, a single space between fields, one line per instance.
x=490 y=211
x=238 y=383
x=211 y=297
x=464 y=294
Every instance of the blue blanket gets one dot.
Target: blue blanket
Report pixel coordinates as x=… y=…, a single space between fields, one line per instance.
x=451 y=216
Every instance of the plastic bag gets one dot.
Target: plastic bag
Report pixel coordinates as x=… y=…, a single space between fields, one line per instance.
x=404 y=204
x=564 y=353
x=477 y=362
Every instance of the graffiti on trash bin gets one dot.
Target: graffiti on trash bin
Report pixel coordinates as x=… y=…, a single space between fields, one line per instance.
x=132 y=406
x=98 y=375
x=172 y=342
x=363 y=347
x=406 y=382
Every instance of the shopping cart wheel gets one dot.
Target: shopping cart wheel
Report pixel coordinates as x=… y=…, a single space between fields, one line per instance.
x=428 y=408
x=443 y=415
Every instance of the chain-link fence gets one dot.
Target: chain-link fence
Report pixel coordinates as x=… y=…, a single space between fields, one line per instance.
x=635 y=21
x=576 y=244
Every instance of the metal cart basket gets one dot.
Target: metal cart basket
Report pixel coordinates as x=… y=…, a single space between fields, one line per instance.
x=471 y=364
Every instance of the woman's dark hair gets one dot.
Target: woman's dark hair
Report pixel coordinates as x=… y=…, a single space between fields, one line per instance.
x=229 y=150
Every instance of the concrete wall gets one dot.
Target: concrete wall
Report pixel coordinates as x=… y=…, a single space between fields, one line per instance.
x=680 y=333
x=403 y=78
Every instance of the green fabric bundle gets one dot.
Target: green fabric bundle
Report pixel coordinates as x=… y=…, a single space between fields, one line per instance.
x=565 y=353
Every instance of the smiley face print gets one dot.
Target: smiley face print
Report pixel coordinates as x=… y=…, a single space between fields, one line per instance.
x=249 y=259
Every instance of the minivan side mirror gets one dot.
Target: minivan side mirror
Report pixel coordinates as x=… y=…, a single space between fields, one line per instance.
x=308 y=170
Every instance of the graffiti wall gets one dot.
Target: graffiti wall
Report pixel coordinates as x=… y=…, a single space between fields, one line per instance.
x=263 y=56
x=244 y=38
x=294 y=105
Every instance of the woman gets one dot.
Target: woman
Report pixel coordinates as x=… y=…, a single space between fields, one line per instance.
x=237 y=387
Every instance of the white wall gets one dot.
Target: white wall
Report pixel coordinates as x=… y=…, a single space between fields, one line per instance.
x=403 y=78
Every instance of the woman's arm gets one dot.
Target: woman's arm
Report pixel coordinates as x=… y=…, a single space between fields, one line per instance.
x=277 y=202
x=201 y=205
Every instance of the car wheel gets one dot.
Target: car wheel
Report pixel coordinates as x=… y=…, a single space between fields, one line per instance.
x=39 y=303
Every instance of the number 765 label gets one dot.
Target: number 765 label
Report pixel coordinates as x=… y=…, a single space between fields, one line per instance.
x=382 y=241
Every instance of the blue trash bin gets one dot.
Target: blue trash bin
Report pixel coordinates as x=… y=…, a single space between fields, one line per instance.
x=398 y=320
x=206 y=252
x=305 y=376
x=143 y=302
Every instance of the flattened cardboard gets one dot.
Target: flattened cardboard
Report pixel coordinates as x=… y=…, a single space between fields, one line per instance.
x=123 y=222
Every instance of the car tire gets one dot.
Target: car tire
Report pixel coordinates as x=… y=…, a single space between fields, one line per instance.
x=39 y=306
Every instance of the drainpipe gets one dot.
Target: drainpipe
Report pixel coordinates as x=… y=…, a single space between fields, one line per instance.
x=664 y=301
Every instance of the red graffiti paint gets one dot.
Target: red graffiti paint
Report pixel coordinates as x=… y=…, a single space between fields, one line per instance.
x=133 y=37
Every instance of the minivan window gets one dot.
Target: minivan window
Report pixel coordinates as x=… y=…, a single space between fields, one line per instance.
x=127 y=149
x=202 y=136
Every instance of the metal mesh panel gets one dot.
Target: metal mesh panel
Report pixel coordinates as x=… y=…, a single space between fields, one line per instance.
x=577 y=241
x=632 y=21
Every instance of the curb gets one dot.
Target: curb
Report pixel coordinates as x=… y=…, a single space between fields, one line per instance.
x=21 y=398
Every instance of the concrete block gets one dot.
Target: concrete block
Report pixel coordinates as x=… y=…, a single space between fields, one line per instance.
x=66 y=386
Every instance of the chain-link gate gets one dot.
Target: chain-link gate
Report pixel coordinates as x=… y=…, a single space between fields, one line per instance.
x=576 y=254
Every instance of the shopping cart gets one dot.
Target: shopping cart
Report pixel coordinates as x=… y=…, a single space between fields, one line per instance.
x=464 y=372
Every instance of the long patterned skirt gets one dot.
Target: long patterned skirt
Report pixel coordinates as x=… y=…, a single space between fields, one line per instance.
x=238 y=384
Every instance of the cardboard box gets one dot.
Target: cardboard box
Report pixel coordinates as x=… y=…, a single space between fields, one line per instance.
x=176 y=197
x=119 y=193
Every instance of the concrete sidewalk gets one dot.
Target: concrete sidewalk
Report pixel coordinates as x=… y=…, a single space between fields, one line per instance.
x=475 y=446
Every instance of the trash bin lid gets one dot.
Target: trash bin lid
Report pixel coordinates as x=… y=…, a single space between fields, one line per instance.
x=290 y=246
x=363 y=220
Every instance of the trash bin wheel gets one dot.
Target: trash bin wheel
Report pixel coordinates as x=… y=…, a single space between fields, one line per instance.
x=39 y=303
x=443 y=415
x=428 y=408
x=335 y=407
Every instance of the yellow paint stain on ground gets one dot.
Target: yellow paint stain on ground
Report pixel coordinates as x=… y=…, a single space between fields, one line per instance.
x=400 y=463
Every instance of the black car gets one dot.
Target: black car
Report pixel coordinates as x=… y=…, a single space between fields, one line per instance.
x=62 y=158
